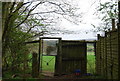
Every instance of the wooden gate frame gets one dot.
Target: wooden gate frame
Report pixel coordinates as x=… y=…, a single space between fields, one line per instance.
x=59 y=52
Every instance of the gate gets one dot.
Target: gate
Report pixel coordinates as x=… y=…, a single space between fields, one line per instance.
x=72 y=57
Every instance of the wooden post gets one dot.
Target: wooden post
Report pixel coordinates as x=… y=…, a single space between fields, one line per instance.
x=60 y=57
x=98 y=36
x=95 y=45
x=34 y=65
x=119 y=39
x=39 y=57
x=85 y=45
x=99 y=54
x=113 y=24
x=58 y=62
x=41 y=54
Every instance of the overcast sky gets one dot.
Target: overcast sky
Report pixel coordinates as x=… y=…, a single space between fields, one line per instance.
x=88 y=9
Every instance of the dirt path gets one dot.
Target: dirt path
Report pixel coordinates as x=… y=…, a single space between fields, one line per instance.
x=48 y=73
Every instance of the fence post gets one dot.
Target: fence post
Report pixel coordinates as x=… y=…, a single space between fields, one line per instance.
x=58 y=64
x=60 y=57
x=98 y=36
x=119 y=39
x=99 y=54
x=34 y=65
x=113 y=24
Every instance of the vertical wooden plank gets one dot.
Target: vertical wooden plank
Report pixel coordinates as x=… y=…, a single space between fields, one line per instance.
x=103 y=54
x=106 y=53
x=99 y=52
x=118 y=25
x=56 y=65
x=111 y=56
x=60 y=56
x=95 y=51
x=100 y=56
x=97 y=56
x=57 y=60
x=119 y=51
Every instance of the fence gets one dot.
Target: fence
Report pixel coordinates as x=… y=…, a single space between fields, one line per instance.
x=108 y=55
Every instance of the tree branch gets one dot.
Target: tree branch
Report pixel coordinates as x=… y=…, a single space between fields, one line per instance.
x=27 y=15
x=26 y=8
x=57 y=5
x=11 y=9
x=43 y=12
x=20 y=6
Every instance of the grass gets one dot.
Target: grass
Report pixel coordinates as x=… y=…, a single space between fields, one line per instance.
x=90 y=53
x=91 y=64
x=48 y=63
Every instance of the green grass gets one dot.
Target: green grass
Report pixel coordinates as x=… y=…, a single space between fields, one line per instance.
x=90 y=53
x=91 y=64
x=51 y=63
